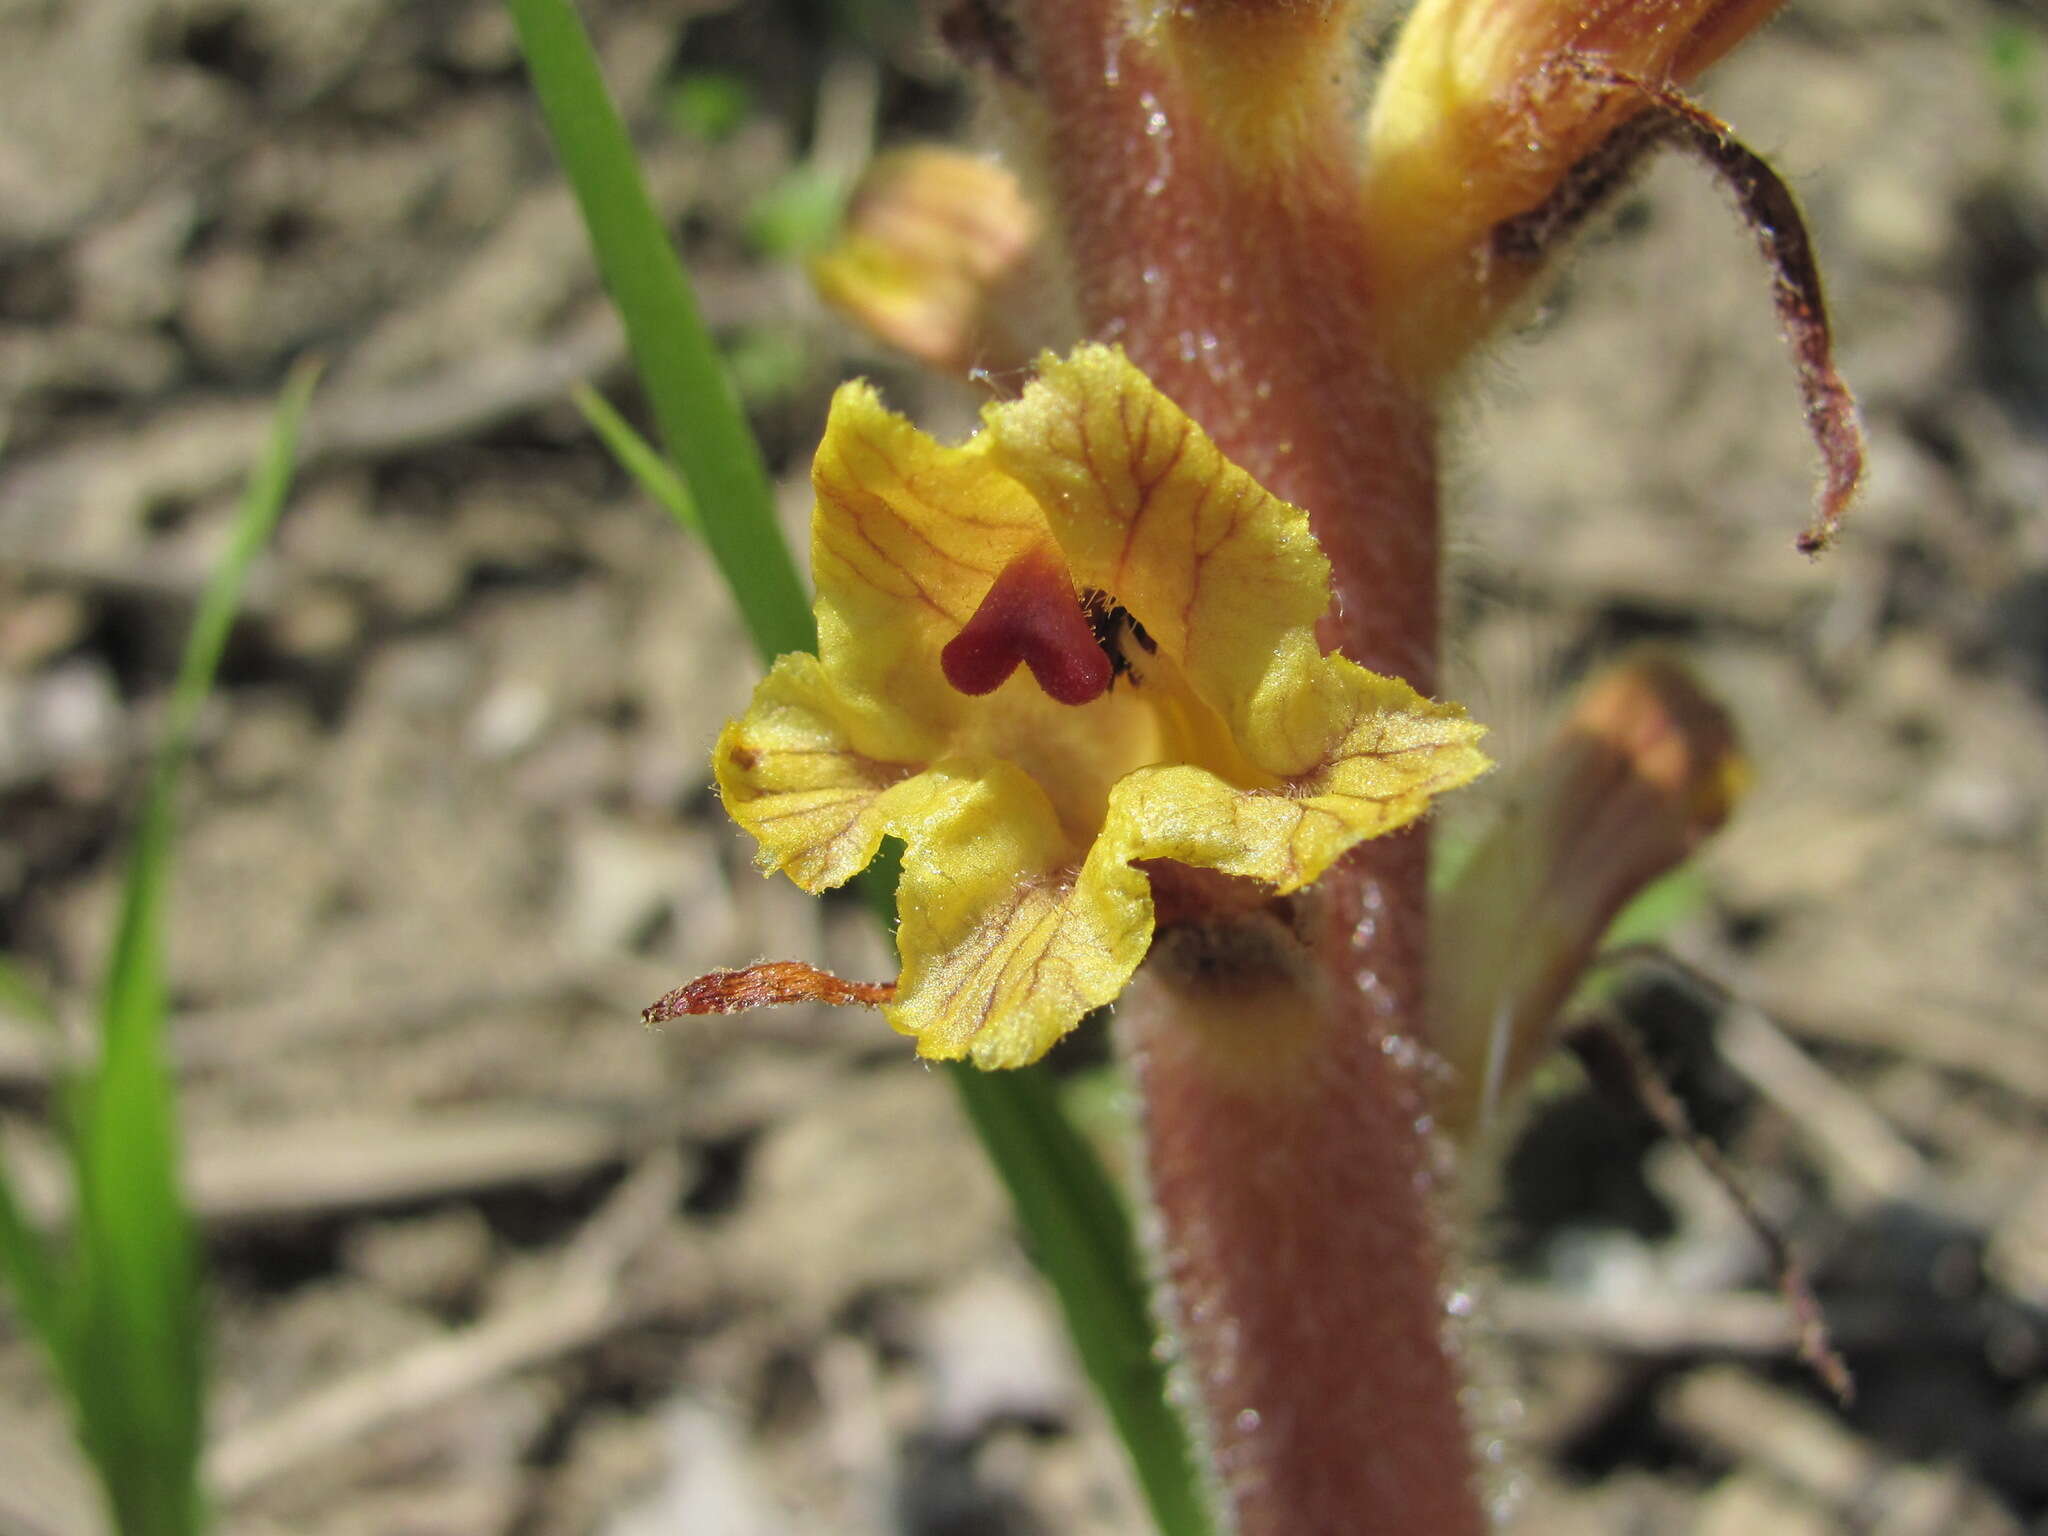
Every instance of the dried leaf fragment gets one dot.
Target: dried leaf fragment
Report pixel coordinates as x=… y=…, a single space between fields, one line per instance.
x=763 y=985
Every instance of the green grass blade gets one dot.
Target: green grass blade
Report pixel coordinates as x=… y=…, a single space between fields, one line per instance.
x=694 y=404
x=134 y=1312
x=637 y=457
x=132 y=980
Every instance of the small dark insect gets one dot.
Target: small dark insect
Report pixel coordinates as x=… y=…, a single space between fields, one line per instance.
x=1111 y=623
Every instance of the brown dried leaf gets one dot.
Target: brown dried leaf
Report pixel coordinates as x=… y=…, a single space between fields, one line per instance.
x=761 y=986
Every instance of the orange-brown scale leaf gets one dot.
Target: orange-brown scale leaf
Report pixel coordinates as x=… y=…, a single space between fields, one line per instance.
x=762 y=986
x=1644 y=768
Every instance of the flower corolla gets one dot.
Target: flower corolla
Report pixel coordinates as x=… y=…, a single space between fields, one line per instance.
x=1067 y=655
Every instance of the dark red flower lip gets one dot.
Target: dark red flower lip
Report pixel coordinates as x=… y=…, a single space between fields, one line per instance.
x=1031 y=616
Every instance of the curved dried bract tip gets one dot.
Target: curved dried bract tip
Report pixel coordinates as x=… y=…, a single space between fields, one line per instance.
x=763 y=985
x=1572 y=92
x=1773 y=217
x=1644 y=768
x=935 y=257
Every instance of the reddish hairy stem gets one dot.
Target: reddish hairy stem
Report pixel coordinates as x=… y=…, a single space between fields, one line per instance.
x=1244 y=296
x=1286 y=1139
x=1290 y=1170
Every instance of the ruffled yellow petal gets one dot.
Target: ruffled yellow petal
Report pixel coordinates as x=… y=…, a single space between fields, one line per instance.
x=1396 y=750
x=1008 y=936
x=1008 y=939
x=906 y=540
x=1227 y=579
x=1009 y=933
x=1011 y=929
x=793 y=772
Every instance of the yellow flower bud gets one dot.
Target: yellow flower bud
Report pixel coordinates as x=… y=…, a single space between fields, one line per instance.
x=934 y=258
x=1483 y=111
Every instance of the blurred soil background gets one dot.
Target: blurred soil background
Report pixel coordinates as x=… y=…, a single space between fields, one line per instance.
x=488 y=1256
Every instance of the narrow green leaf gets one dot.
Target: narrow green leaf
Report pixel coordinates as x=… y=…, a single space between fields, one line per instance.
x=694 y=405
x=131 y=978
x=637 y=457
x=134 y=1310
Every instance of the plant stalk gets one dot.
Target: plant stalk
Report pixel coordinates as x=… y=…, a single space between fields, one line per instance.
x=1287 y=1140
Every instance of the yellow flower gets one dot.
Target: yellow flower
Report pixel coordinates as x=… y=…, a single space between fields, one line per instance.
x=1082 y=640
